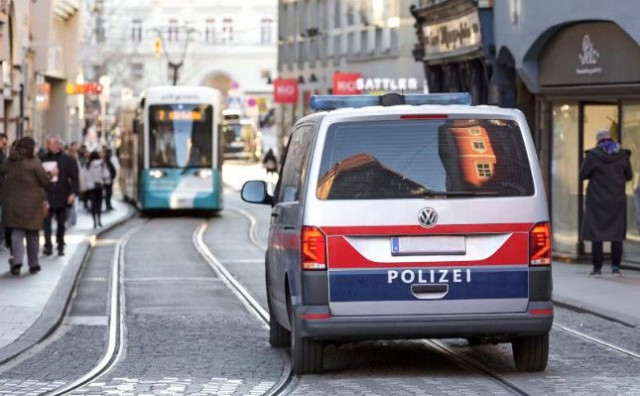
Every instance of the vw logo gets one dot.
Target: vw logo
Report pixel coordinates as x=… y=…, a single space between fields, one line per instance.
x=428 y=217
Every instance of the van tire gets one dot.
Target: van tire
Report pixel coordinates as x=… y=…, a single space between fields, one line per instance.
x=307 y=355
x=279 y=336
x=531 y=353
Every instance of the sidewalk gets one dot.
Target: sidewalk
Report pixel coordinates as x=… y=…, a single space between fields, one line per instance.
x=606 y=296
x=32 y=305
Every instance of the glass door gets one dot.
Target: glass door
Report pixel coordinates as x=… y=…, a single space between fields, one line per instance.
x=564 y=179
x=630 y=131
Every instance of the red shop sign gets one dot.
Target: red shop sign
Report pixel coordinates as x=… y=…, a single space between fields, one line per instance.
x=345 y=83
x=285 y=90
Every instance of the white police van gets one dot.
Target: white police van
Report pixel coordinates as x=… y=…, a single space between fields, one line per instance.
x=408 y=216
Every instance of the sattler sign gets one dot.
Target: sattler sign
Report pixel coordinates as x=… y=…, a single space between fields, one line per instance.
x=454 y=37
x=346 y=84
x=285 y=90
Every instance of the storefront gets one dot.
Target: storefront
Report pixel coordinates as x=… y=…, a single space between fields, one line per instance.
x=588 y=78
x=455 y=38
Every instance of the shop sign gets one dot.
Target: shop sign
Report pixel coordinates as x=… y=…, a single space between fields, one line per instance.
x=588 y=57
x=454 y=37
x=346 y=83
x=84 y=89
x=387 y=84
x=285 y=90
x=43 y=96
x=590 y=53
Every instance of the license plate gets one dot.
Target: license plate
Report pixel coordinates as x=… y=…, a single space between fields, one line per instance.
x=428 y=245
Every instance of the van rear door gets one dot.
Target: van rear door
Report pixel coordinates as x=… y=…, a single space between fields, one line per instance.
x=427 y=216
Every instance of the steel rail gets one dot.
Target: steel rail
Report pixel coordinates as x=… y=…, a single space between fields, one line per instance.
x=597 y=341
x=473 y=365
x=115 y=339
x=287 y=380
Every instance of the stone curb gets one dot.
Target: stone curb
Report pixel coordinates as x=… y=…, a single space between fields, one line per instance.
x=56 y=307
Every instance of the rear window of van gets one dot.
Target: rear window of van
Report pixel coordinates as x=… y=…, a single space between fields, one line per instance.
x=424 y=159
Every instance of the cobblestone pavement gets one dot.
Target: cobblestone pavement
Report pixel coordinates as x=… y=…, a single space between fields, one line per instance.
x=187 y=333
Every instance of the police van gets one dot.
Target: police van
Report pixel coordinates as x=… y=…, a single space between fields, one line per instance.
x=408 y=216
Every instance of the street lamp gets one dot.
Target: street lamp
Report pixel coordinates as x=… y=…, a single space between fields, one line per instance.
x=176 y=63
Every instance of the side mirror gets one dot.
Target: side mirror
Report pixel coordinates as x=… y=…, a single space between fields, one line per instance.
x=255 y=191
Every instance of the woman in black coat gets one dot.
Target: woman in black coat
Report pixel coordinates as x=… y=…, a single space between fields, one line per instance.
x=608 y=168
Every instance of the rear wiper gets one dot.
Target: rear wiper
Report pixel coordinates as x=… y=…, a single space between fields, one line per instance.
x=453 y=193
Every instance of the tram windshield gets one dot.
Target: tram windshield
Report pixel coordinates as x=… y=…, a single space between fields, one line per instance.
x=181 y=135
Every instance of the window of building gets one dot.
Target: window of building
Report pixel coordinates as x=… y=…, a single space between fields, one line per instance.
x=483 y=169
x=136 y=30
x=475 y=131
x=137 y=71
x=173 y=34
x=227 y=30
x=478 y=145
x=210 y=30
x=266 y=31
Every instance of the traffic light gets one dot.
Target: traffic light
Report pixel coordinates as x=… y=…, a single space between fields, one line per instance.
x=157 y=47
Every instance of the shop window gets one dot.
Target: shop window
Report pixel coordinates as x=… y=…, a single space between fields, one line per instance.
x=478 y=145
x=483 y=169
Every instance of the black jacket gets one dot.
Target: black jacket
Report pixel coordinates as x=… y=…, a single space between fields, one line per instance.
x=605 y=216
x=67 y=183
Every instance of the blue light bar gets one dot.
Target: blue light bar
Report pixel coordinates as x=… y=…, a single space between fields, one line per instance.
x=332 y=102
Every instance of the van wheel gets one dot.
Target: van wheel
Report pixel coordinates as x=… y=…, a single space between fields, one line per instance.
x=531 y=353
x=306 y=354
x=279 y=336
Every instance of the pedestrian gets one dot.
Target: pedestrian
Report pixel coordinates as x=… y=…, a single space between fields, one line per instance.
x=25 y=202
x=270 y=163
x=3 y=147
x=108 y=187
x=95 y=177
x=608 y=168
x=62 y=193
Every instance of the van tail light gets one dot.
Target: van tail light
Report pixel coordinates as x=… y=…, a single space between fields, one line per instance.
x=540 y=245
x=314 y=244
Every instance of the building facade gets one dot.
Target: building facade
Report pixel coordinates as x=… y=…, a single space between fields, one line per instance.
x=576 y=66
x=226 y=44
x=55 y=31
x=572 y=67
x=344 y=47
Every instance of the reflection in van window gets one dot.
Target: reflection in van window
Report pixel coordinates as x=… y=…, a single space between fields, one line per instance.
x=424 y=158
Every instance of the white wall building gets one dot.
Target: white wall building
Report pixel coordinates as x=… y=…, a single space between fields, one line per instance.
x=231 y=46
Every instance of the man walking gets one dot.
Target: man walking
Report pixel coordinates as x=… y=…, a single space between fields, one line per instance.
x=608 y=168
x=61 y=194
x=3 y=157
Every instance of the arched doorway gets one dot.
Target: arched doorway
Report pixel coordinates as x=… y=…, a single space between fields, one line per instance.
x=218 y=80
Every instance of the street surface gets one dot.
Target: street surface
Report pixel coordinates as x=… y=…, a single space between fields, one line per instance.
x=186 y=332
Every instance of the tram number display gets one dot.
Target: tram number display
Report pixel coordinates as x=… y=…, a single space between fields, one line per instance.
x=163 y=115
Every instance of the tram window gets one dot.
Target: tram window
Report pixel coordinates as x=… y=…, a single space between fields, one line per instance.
x=180 y=135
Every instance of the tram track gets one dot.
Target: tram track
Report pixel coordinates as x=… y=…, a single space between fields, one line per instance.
x=115 y=338
x=287 y=381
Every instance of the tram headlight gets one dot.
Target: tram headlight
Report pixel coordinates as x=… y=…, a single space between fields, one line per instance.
x=156 y=173
x=205 y=173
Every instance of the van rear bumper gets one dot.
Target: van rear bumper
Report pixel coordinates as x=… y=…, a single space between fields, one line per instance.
x=315 y=322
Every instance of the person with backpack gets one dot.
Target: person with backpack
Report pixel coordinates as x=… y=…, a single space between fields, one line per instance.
x=96 y=177
x=108 y=187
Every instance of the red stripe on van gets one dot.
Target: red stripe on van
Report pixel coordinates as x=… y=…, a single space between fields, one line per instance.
x=449 y=229
x=513 y=252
